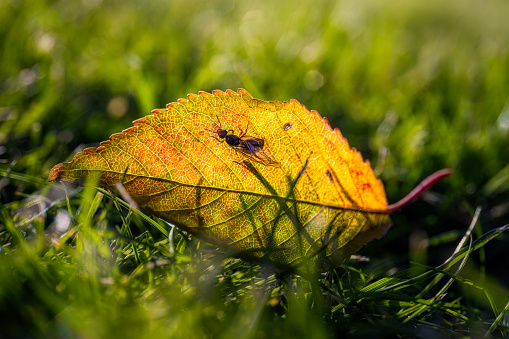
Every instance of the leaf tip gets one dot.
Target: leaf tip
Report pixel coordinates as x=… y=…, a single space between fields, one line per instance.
x=56 y=172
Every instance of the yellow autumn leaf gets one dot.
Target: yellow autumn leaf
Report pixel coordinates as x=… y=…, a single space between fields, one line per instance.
x=270 y=180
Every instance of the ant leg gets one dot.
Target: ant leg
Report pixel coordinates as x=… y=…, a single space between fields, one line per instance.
x=242 y=133
x=218 y=122
x=213 y=134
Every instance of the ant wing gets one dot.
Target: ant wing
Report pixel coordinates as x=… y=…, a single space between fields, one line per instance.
x=252 y=149
x=253 y=143
x=259 y=157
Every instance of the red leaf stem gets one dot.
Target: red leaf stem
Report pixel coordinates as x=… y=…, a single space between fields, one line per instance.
x=421 y=188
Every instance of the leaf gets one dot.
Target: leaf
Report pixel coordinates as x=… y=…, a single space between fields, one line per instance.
x=316 y=201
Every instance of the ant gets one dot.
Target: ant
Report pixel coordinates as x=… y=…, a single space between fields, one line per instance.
x=250 y=147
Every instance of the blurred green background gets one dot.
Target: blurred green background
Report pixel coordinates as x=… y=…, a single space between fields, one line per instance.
x=416 y=86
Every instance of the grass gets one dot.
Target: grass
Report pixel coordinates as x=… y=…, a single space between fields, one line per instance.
x=414 y=87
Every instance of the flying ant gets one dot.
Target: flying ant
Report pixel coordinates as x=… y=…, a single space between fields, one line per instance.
x=250 y=147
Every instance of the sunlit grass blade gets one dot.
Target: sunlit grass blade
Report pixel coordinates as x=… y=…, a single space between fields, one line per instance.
x=413 y=275
x=145 y=217
x=409 y=313
x=23 y=177
x=500 y=318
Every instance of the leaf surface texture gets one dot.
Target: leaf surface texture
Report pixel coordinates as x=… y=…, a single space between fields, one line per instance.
x=319 y=204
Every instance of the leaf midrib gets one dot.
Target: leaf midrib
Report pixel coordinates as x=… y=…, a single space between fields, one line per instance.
x=315 y=203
